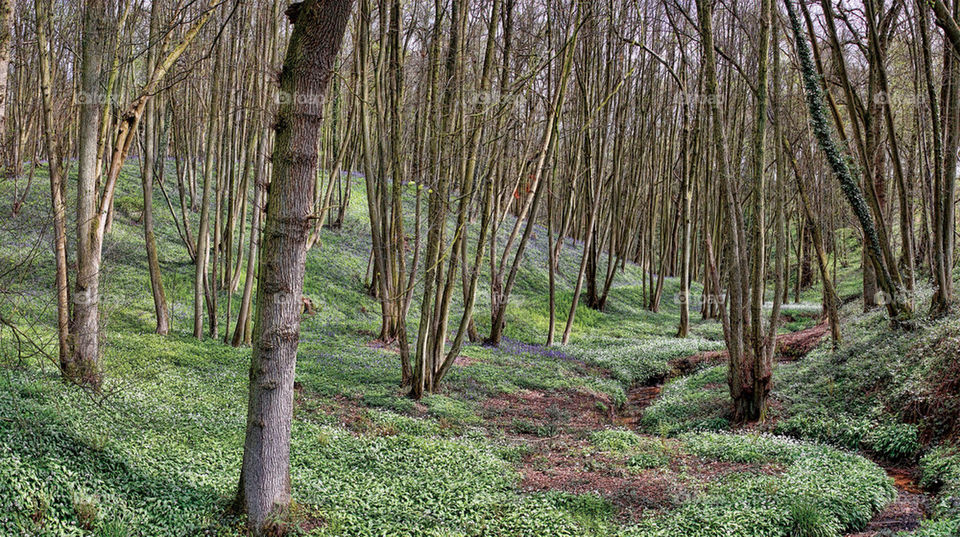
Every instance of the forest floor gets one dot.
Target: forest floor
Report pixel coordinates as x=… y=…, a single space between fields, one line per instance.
x=906 y=513
x=623 y=432
x=557 y=426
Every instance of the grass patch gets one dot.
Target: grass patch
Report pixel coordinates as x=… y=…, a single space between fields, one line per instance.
x=823 y=491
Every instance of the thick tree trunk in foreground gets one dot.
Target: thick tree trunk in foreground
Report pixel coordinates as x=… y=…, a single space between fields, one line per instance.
x=86 y=311
x=318 y=31
x=748 y=373
x=757 y=373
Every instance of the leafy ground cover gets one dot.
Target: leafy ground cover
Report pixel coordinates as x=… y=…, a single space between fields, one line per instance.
x=890 y=394
x=522 y=440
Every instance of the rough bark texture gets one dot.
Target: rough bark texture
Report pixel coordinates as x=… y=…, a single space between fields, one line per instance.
x=741 y=373
x=947 y=142
x=264 y=490
x=86 y=298
x=940 y=300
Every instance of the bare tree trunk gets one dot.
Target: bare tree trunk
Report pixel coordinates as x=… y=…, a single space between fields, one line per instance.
x=597 y=184
x=941 y=265
x=498 y=313
x=264 y=489
x=686 y=200
x=749 y=370
x=830 y=299
x=149 y=157
x=202 y=288
x=754 y=405
x=945 y=134
x=86 y=311
x=58 y=205
x=6 y=37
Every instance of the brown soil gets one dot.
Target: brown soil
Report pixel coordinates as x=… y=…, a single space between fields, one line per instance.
x=350 y=412
x=463 y=361
x=796 y=345
x=554 y=426
x=572 y=465
x=790 y=347
x=905 y=513
x=904 y=479
x=561 y=410
x=380 y=345
x=685 y=365
x=638 y=399
x=569 y=464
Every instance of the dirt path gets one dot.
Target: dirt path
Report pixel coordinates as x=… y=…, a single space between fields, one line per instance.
x=790 y=347
x=796 y=345
x=905 y=513
x=638 y=399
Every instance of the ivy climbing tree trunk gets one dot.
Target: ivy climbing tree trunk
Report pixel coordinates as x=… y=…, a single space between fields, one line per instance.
x=898 y=308
x=318 y=28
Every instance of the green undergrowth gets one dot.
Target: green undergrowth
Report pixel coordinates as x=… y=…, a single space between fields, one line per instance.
x=67 y=469
x=158 y=453
x=885 y=392
x=646 y=361
x=882 y=391
x=822 y=492
x=696 y=402
x=637 y=452
x=941 y=474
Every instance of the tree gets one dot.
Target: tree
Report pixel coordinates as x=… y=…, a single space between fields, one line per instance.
x=150 y=158
x=86 y=312
x=944 y=170
x=95 y=200
x=57 y=204
x=500 y=289
x=6 y=37
x=899 y=310
x=318 y=28
x=749 y=346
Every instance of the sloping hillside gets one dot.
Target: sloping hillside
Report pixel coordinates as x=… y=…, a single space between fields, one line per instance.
x=522 y=440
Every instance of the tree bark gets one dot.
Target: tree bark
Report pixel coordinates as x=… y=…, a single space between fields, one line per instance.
x=6 y=37
x=201 y=284
x=736 y=330
x=86 y=297
x=57 y=203
x=318 y=28
x=149 y=157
